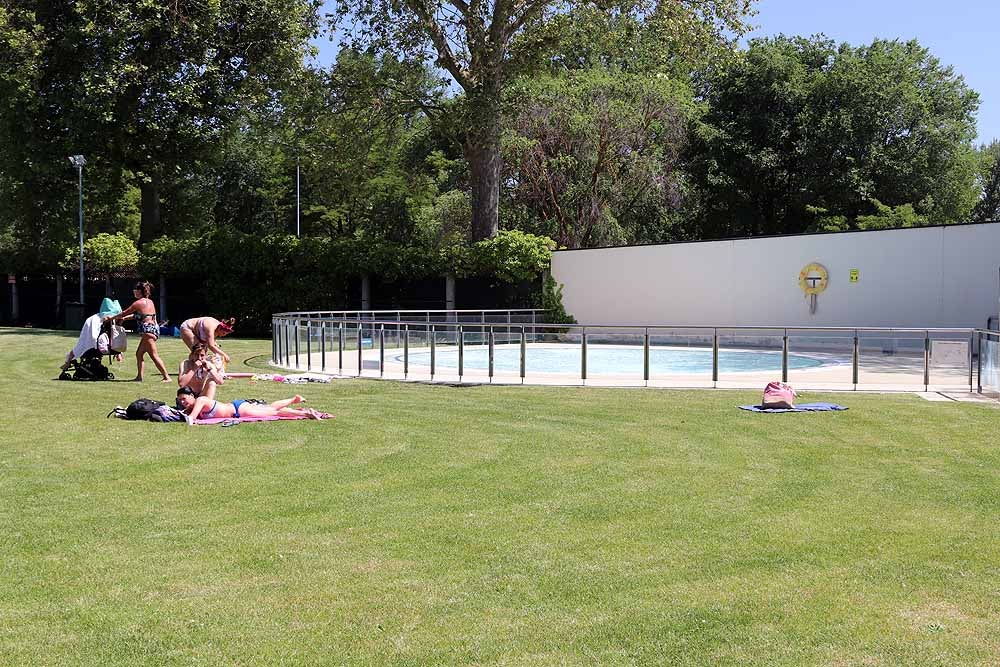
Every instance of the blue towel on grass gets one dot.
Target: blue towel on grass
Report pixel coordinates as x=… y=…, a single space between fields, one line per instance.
x=805 y=407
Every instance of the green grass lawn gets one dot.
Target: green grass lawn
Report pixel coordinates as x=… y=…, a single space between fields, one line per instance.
x=491 y=525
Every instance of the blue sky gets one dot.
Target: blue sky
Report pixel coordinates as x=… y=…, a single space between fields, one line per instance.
x=961 y=33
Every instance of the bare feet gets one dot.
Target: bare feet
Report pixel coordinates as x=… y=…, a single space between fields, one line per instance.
x=298 y=399
x=166 y=379
x=312 y=414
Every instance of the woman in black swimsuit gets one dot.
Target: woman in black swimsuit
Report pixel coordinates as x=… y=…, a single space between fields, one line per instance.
x=144 y=312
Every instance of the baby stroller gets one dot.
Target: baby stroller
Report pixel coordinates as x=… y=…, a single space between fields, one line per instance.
x=99 y=338
x=90 y=366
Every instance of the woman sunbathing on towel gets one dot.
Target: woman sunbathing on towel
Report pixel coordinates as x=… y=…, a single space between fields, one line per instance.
x=204 y=407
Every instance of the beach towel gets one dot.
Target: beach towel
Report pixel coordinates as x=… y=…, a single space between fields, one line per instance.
x=804 y=407
x=241 y=420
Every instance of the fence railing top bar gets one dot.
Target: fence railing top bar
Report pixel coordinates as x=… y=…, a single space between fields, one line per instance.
x=638 y=328
x=366 y=313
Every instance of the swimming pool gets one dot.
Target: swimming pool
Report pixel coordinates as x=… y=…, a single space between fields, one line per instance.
x=611 y=360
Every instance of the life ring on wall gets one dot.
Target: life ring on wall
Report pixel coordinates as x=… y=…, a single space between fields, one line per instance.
x=814 y=278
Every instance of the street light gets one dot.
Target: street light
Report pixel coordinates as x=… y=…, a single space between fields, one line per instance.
x=78 y=161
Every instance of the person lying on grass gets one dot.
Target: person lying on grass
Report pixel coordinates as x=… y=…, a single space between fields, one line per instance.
x=204 y=407
x=199 y=373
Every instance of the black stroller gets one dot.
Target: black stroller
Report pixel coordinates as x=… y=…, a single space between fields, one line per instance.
x=90 y=366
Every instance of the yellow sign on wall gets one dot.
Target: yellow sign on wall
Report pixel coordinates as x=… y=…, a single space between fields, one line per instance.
x=855 y=274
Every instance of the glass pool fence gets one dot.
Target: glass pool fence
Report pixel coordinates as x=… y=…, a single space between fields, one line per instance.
x=518 y=347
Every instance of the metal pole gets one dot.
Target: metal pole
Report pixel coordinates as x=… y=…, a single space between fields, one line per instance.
x=979 y=363
x=461 y=352
x=308 y=346
x=583 y=355
x=381 y=350
x=296 y=344
x=855 y=360
x=715 y=356
x=322 y=343
x=645 y=356
x=340 y=348
x=927 y=360
x=274 y=340
x=523 y=352
x=406 y=350
x=360 y=361
x=433 y=337
x=971 y=341
x=288 y=351
x=79 y=171
x=491 y=344
x=784 y=356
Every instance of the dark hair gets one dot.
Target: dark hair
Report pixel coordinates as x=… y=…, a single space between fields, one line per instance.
x=198 y=347
x=145 y=287
x=185 y=390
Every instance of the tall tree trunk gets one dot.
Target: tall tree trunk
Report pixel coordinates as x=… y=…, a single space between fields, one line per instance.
x=482 y=152
x=149 y=222
x=484 y=171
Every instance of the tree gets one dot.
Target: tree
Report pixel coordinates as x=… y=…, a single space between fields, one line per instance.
x=486 y=44
x=988 y=207
x=804 y=134
x=589 y=151
x=144 y=88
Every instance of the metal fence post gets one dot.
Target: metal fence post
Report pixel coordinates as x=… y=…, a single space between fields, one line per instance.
x=927 y=360
x=322 y=344
x=972 y=340
x=340 y=348
x=784 y=356
x=523 y=347
x=360 y=346
x=645 y=357
x=406 y=351
x=288 y=351
x=583 y=355
x=461 y=352
x=491 y=342
x=296 y=344
x=715 y=357
x=856 y=360
x=381 y=350
x=979 y=362
x=274 y=340
x=308 y=345
x=433 y=330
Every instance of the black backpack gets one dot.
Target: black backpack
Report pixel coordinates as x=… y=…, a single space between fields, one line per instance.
x=142 y=409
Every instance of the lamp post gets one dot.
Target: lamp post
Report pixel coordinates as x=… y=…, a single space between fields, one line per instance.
x=78 y=161
x=297 y=195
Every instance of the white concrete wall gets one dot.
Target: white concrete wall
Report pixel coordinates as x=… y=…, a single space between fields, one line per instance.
x=921 y=277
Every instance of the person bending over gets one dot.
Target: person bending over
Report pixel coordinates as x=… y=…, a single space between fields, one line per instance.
x=199 y=373
x=204 y=407
x=206 y=330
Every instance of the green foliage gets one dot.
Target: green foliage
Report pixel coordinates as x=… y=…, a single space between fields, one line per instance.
x=592 y=152
x=551 y=300
x=254 y=275
x=511 y=256
x=104 y=254
x=988 y=179
x=799 y=124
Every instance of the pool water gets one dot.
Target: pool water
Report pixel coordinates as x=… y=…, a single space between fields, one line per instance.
x=611 y=360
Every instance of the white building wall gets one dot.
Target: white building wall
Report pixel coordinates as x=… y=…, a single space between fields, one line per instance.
x=919 y=277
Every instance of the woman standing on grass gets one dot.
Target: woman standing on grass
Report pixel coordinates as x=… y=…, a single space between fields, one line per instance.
x=205 y=330
x=144 y=312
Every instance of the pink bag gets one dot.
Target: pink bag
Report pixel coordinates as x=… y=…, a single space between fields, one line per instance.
x=778 y=395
